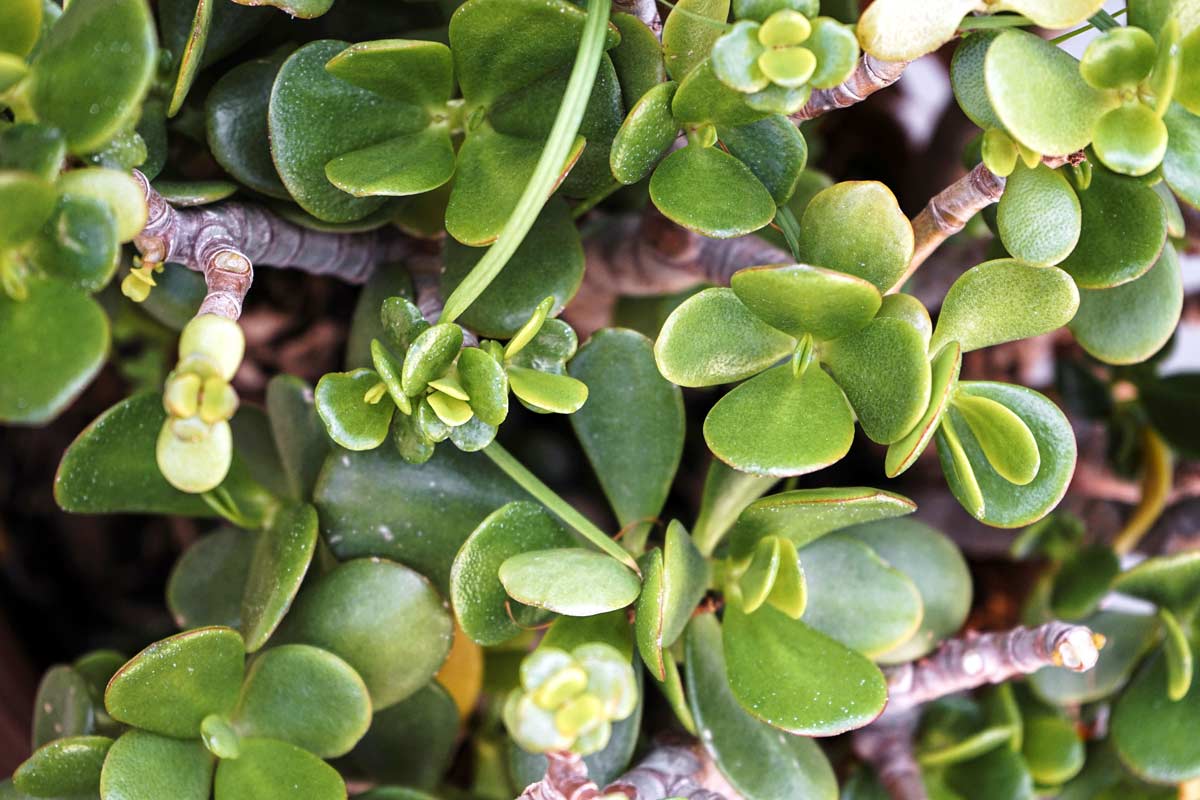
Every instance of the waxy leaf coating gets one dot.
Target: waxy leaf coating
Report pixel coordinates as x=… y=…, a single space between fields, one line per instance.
x=570 y=581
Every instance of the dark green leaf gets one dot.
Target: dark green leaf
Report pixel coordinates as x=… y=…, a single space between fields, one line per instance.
x=833 y=234
x=143 y=765
x=65 y=767
x=280 y=561
x=412 y=742
x=62 y=707
x=273 y=770
x=208 y=581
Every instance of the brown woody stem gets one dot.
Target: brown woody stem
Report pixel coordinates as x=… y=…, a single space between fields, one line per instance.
x=225 y=241
x=645 y=10
x=670 y=770
x=887 y=745
x=978 y=659
x=649 y=256
x=869 y=76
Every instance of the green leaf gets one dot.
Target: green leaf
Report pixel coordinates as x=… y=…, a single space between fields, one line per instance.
x=1120 y=57
x=736 y=56
x=672 y=585
x=904 y=30
x=143 y=765
x=377 y=504
x=1128 y=636
x=412 y=742
x=760 y=762
x=885 y=374
x=1060 y=14
x=88 y=104
x=1005 y=440
x=709 y=191
x=1150 y=730
x=638 y=59
x=805 y=515
x=1053 y=750
x=779 y=424
x=79 y=243
x=382 y=618
x=304 y=696
x=967 y=79
x=632 y=426
x=110 y=465
x=832 y=233
x=1181 y=164
x=1038 y=216
x=1171 y=582
x=689 y=33
x=713 y=338
x=236 y=125
x=1168 y=403
x=173 y=684
x=570 y=581
x=24 y=28
x=645 y=136
x=480 y=602
x=702 y=98
x=120 y=192
x=944 y=370
x=408 y=164
x=935 y=566
x=190 y=55
x=548 y=263
x=273 y=770
x=417 y=72
x=796 y=678
x=298 y=432
x=1039 y=95
x=351 y=421
x=726 y=494
x=1130 y=139
x=773 y=149
x=32 y=202
x=62 y=707
x=1004 y=504
x=547 y=392
x=430 y=355
x=1129 y=323
x=486 y=382
x=281 y=557
x=208 y=581
x=65 y=767
x=32 y=147
x=56 y=342
x=1002 y=301
x=758 y=580
x=1124 y=229
x=799 y=299
x=857 y=598
x=315 y=117
x=1178 y=654
x=999 y=774
x=836 y=48
x=1082 y=581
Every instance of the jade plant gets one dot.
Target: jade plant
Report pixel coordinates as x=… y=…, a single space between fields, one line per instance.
x=670 y=568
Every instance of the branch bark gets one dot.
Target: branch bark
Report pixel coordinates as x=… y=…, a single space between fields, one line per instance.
x=978 y=659
x=670 y=770
x=887 y=745
x=225 y=241
x=869 y=76
x=649 y=255
x=645 y=10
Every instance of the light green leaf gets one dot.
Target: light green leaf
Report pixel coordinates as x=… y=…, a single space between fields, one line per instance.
x=645 y=136
x=272 y=770
x=570 y=581
x=779 y=424
x=64 y=767
x=417 y=72
x=944 y=371
x=799 y=299
x=832 y=234
x=672 y=585
x=547 y=392
x=1171 y=582
x=1005 y=439
x=1181 y=164
x=351 y=421
x=690 y=31
x=1178 y=654
x=709 y=191
x=1150 y=729
x=1038 y=216
x=144 y=766
x=904 y=30
x=1002 y=301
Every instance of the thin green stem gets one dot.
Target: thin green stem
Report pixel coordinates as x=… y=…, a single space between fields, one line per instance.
x=549 y=165
x=550 y=499
x=1072 y=34
x=588 y=203
x=789 y=226
x=996 y=21
x=1102 y=20
x=222 y=502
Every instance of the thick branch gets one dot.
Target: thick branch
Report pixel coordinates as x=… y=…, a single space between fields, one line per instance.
x=978 y=659
x=887 y=746
x=645 y=10
x=224 y=241
x=670 y=770
x=869 y=76
x=650 y=256
x=566 y=779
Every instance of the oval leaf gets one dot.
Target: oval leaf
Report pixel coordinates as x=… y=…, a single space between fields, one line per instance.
x=570 y=581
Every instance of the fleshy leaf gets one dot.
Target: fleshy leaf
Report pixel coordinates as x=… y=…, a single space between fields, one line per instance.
x=570 y=581
x=690 y=31
x=779 y=424
x=1038 y=216
x=412 y=742
x=62 y=706
x=1129 y=323
x=352 y=422
x=712 y=338
x=547 y=392
x=709 y=191
x=475 y=590
x=885 y=374
x=799 y=299
x=1149 y=729
x=304 y=696
x=1004 y=504
x=1056 y=14
x=1002 y=301
x=417 y=72
x=672 y=585
x=645 y=136
x=64 y=767
x=805 y=515
x=944 y=369
x=298 y=432
x=1168 y=581
x=236 y=125
x=967 y=79
x=796 y=678
x=833 y=234
x=208 y=581
x=773 y=149
x=758 y=761
x=1039 y=95
x=144 y=765
x=1005 y=439
x=268 y=769
x=172 y=685
x=408 y=164
x=381 y=618
x=903 y=30
x=855 y=597
x=281 y=557
x=1181 y=164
